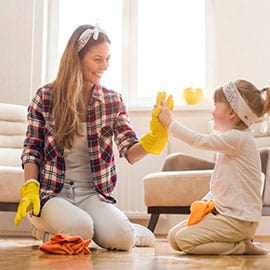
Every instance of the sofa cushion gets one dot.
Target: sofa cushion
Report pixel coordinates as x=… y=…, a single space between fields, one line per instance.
x=14 y=141
x=10 y=157
x=12 y=179
x=13 y=112
x=12 y=128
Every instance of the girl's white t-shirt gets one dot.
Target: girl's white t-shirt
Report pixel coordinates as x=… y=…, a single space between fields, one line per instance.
x=235 y=185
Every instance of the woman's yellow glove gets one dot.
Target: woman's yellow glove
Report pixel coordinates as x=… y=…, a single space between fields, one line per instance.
x=30 y=200
x=156 y=139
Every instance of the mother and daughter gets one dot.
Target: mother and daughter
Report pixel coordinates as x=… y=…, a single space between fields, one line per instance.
x=69 y=164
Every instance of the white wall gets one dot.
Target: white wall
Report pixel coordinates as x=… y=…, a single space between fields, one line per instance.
x=21 y=45
x=238 y=43
x=242 y=40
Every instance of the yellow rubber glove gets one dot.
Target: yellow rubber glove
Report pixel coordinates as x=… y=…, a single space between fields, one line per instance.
x=155 y=140
x=198 y=210
x=30 y=200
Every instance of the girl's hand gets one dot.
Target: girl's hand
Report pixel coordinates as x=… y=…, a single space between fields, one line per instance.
x=165 y=116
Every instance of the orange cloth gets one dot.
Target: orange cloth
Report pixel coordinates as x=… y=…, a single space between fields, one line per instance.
x=198 y=210
x=65 y=244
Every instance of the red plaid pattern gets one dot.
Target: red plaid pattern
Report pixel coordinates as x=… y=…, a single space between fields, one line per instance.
x=107 y=120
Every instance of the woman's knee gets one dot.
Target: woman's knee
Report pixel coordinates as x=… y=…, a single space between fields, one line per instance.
x=117 y=237
x=58 y=216
x=125 y=241
x=83 y=227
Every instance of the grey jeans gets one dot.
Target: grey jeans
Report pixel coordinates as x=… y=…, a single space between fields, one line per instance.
x=78 y=210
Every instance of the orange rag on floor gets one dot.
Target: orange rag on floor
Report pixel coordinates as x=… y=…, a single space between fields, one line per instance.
x=65 y=244
x=198 y=210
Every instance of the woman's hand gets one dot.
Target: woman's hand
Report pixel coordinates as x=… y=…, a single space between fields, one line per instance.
x=155 y=140
x=30 y=200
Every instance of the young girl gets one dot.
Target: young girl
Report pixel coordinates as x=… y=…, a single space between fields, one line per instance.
x=226 y=219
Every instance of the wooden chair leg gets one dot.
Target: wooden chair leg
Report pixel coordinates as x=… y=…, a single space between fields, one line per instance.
x=153 y=221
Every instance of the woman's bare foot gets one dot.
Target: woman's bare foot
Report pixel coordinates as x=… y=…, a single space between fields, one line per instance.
x=253 y=248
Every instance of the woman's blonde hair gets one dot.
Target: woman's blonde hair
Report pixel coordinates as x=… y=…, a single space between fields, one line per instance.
x=257 y=100
x=66 y=88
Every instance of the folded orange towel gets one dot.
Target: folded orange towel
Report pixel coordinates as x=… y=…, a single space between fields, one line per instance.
x=66 y=244
x=198 y=210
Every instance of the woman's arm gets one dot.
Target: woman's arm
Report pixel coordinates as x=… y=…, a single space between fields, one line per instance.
x=136 y=153
x=30 y=171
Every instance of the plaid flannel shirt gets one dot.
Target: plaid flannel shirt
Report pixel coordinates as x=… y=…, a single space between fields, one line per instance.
x=107 y=120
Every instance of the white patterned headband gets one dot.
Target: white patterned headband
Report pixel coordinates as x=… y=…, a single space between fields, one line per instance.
x=87 y=34
x=238 y=104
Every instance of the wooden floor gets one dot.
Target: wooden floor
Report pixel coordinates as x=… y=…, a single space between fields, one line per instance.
x=21 y=252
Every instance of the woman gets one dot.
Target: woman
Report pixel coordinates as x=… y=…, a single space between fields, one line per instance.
x=68 y=156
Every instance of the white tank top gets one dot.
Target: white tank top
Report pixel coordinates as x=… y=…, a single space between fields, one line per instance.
x=77 y=158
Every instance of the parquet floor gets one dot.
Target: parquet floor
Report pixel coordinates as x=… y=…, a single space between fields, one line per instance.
x=21 y=252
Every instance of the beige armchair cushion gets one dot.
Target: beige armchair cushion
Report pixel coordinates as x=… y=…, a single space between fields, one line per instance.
x=184 y=162
x=176 y=188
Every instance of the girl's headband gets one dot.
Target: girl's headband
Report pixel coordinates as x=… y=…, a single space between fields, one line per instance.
x=87 y=34
x=238 y=104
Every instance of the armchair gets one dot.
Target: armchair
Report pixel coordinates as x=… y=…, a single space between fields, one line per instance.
x=184 y=179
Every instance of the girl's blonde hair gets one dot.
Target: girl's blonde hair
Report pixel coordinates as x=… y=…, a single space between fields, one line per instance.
x=67 y=87
x=257 y=100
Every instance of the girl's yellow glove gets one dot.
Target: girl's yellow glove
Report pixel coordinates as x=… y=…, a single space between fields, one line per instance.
x=156 y=139
x=30 y=200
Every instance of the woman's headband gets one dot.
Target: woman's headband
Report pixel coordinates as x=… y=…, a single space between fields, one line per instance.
x=238 y=104
x=87 y=34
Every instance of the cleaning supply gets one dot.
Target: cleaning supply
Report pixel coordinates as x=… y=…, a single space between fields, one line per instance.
x=156 y=139
x=30 y=200
x=198 y=210
x=64 y=244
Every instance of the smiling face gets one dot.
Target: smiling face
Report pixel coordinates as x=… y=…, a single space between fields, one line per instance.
x=95 y=62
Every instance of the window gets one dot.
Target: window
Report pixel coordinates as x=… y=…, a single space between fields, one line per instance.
x=156 y=44
x=171 y=46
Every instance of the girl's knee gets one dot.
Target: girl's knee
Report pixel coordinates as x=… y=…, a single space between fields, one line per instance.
x=182 y=242
x=171 y=240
